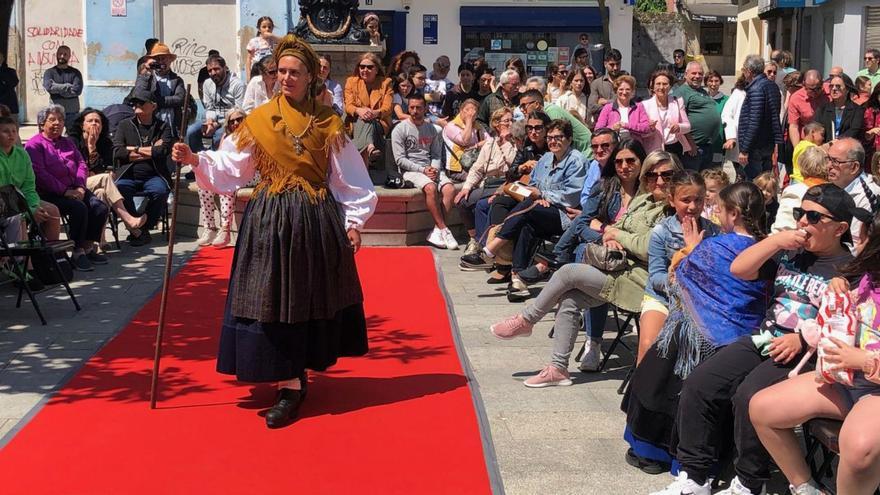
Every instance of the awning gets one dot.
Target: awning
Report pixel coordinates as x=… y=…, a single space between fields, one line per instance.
x=543 y=18
x=712 y=12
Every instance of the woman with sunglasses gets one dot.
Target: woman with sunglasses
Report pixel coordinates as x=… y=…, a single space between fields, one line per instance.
x=554 y=185
x=368 y=99
x=840 y=116
x=556 y=85
x=578 y=286
x=262 y=87
x=207 y=208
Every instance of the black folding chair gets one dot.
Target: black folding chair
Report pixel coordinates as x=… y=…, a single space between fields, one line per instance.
x=630 y=318
x=20 y=253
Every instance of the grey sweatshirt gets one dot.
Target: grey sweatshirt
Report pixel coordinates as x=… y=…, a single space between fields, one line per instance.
x=416 y=148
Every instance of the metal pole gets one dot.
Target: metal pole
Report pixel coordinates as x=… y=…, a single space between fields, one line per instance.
x=168 y=259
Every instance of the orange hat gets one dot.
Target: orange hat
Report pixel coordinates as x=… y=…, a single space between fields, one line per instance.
x=161 y=49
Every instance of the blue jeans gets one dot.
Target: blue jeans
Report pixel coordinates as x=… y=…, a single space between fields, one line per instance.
x=701 y=161
x=481 y=218
x=194 y=137
x=155 y=189
x=760 y=161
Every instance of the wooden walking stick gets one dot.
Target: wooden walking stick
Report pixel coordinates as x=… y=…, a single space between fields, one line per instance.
x=168 y=258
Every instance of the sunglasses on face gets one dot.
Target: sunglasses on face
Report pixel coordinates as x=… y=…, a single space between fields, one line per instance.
x=836 y=86
x=366 y=66
x=236 y=120
x=629 y=161
x=868 y=59
x=524 y=105
x=665 y=175
x=813 y=217
x=534 y=128
x=556 y=137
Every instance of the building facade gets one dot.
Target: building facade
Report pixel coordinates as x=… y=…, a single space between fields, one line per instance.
x=107 y=36
x=820 y=33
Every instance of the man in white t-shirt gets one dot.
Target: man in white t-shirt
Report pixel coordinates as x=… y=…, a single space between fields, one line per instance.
x=437 y=85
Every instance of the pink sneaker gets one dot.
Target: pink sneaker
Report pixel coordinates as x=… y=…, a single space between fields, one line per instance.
x=511 y=328
x=548 y=377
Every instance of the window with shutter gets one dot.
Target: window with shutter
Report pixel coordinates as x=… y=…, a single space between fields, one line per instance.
x=872 y=27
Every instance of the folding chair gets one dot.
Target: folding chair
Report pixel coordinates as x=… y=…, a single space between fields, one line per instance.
x=823 y=436
x=623 y=329
x=13 y=203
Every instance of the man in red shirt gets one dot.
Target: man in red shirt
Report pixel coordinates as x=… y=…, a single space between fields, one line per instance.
x=803 y=104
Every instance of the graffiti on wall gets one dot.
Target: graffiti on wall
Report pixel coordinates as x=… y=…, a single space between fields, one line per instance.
x=42 y=42
x=191 y=56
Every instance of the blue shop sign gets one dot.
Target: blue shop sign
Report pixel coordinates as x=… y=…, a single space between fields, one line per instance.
x=429 y=29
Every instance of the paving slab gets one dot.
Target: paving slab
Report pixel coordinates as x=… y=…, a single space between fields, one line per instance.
x=36 y=359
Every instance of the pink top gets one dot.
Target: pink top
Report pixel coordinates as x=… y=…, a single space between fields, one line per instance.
x=637 y=124
x=58 y=166
x=674 y=113
x=801 y=110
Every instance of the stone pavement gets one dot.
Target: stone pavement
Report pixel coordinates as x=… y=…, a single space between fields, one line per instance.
x=559 y=440
x=37 y=359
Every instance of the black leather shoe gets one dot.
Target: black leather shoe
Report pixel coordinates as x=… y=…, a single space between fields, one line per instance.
x=648 y=466
x=286 y=408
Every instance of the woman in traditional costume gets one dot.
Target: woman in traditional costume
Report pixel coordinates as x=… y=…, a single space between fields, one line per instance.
x=295 y=299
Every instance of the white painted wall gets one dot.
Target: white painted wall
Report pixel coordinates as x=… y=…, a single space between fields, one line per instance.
x=191 y=29
x=48 y=24
x=449 y=32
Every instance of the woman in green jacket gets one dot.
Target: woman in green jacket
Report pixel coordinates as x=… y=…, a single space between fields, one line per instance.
x=577 y=286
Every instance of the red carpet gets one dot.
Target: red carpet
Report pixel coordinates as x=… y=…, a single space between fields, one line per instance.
x=399 y=420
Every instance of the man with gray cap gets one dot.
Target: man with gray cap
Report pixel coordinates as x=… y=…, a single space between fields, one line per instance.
x=759 y=130
x=143 y=143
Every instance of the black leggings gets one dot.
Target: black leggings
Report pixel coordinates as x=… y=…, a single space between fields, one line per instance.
x=720 y=387
x=86 y=218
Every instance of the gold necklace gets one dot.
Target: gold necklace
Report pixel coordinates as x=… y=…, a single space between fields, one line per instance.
x=298 y=147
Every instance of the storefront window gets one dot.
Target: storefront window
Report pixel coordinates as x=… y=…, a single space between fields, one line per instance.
x=712 y=38
x=536 y=49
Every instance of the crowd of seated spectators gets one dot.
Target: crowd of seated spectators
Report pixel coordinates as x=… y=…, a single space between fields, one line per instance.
x=720 y=221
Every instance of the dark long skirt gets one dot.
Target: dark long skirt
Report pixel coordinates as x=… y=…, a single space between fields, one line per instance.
x=295 y=300
x=651 y=403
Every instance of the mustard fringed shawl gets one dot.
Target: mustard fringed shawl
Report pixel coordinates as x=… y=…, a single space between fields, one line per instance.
x=270 y=128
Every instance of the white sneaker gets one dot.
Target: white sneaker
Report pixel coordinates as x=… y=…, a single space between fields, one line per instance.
x=437 y=239
x=207 y=237
x=807 y=488
x=684 y=486
x=737 y=488
x=592 y=356
x=449 y=239
x=223 y=239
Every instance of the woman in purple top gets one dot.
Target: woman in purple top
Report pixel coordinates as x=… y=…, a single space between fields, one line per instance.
x=61 y=174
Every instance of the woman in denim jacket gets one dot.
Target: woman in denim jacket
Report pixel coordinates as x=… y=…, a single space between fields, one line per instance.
x=556 y=184
x=686 y=192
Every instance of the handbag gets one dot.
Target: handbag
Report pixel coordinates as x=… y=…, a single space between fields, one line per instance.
x=518 y=190
x=467 y=159
x=605 y=258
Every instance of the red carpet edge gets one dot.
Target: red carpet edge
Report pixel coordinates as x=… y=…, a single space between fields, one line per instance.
x=495 y=480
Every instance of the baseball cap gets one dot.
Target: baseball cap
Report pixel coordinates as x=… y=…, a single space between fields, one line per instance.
x=839 y=204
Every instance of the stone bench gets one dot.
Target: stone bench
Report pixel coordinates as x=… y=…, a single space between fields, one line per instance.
x=401 y=217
